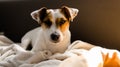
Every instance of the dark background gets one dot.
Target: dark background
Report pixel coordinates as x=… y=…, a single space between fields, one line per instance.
x=98 y=21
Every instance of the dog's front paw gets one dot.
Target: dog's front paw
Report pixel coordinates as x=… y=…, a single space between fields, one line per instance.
x=38 y=57
x=47 y=53
x=58 y=56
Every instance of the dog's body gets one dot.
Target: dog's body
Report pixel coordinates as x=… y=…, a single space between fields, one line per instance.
x=54 y=34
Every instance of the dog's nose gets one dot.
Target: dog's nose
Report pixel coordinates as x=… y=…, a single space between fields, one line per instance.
x=55 y=36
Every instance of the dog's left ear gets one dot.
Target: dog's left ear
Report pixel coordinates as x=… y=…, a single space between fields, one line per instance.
x=39 y=15
x=70 y=13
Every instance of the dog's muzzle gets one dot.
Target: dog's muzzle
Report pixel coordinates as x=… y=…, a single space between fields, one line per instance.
x=55 y=37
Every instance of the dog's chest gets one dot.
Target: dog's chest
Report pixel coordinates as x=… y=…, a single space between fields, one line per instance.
x=57 y=48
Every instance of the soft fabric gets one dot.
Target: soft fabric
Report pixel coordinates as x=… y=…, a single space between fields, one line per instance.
x=78 y=54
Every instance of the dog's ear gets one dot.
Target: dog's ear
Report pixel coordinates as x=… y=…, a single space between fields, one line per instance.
x=70 y=13
x=39 y=15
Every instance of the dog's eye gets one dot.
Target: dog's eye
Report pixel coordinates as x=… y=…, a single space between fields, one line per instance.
x=48 y=23
x=62 y=22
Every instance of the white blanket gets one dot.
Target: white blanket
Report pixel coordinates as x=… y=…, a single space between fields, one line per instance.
x=75 y=56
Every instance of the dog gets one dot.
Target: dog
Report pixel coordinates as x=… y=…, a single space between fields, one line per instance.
x=54 y=34
x=51 y=38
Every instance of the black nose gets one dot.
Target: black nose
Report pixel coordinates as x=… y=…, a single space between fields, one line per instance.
x=55 y=36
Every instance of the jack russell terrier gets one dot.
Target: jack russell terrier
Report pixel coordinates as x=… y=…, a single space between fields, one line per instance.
x=54 y=34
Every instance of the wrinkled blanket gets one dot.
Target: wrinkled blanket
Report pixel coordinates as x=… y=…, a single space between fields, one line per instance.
x=78 y=54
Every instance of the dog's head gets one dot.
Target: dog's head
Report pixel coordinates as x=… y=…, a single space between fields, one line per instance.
x=55 y=22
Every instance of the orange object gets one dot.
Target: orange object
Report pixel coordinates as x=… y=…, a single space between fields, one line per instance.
x=113 y=61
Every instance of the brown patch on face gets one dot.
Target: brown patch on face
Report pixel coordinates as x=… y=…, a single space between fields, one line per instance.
x=62 y=24
x=47 y=22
